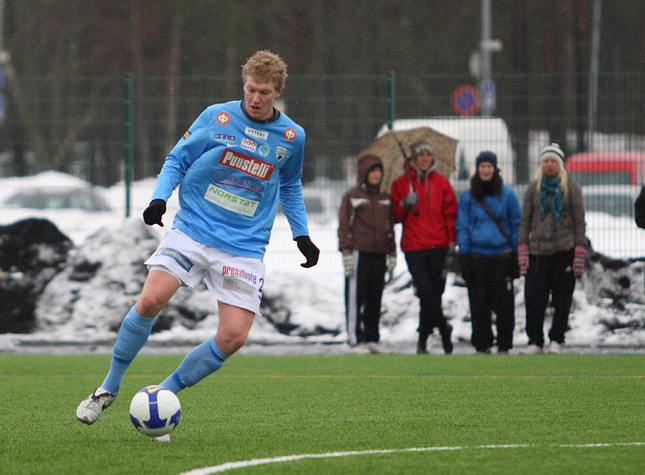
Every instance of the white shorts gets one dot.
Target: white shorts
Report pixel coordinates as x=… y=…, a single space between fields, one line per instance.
x=232 y=279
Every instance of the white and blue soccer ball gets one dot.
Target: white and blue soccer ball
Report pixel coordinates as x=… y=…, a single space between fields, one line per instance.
x=155 y=411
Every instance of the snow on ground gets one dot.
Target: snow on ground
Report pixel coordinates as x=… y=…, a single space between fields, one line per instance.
x=311 y=300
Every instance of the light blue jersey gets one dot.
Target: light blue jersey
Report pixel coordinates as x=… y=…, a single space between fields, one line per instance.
x=233 y=172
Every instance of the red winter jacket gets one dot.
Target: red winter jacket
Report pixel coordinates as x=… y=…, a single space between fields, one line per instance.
x=431 y=223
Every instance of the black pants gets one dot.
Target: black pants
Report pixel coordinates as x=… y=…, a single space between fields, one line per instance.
x=553 y=276
x=490 y=289
x=363 y=293
x=428 y=273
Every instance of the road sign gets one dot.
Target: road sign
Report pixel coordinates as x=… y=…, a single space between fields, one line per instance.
x=465 y=100
x=489 y=97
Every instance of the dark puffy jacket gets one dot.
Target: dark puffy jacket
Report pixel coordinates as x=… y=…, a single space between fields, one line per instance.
x=365 y=215
x=639 y=209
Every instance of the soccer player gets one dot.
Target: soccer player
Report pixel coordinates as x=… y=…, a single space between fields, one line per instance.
x=235 y=163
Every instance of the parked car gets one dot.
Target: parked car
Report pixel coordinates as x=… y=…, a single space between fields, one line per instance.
x=76 y=207
x=615 y=200
x=58 y=197
x=619 y=168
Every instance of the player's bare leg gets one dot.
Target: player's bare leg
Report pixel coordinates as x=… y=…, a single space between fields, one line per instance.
x=232 y=331
x=159 y=287
x=234 y=327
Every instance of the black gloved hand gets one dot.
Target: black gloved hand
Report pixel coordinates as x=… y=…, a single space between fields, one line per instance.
x=411 y=200
x=154 y=212
x=465 y=263
x=309 y=250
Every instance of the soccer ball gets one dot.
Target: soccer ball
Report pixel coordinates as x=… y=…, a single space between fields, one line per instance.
x=155 y=411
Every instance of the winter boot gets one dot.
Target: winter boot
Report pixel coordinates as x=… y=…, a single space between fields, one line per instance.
x=421 y=346
x=446 y=332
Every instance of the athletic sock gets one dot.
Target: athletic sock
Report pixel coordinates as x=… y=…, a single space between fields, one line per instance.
x=199 y=363
x=133 y=334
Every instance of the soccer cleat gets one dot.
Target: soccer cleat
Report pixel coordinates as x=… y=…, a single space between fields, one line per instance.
x=161 y=438
x=90 y=408
x=532 y=350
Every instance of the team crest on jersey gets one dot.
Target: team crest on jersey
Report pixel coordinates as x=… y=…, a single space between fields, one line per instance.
x=264 y=150
x=186 y=135
x=255 y=133
x=280 y=153
x=223 y=118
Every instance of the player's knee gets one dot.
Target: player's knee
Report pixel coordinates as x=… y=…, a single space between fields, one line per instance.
x=231 y=342
x=149 y=305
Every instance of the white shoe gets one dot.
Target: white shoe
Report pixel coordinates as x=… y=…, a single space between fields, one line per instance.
x=90 y=408
x=360 y=349
x=532 y=350
x=555 y=348
x=161 y=438
x=377 y=348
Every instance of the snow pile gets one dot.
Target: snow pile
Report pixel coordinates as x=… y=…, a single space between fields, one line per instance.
x=87 y=300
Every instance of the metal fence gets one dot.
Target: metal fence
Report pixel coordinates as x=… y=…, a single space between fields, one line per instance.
x=88 y=126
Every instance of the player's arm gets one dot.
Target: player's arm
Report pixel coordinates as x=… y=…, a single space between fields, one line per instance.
x=189 y=148
x=291 y=198
x=293 y=206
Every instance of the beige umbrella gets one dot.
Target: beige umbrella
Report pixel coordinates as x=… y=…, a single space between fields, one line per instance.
x=390 y=146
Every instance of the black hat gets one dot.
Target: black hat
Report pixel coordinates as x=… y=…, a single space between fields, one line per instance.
x=486 y=156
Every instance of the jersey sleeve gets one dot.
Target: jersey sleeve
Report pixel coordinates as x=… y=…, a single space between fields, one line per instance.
x=291 y=198
x=189 y=148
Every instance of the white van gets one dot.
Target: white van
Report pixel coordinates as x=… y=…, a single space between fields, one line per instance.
x=475 y=134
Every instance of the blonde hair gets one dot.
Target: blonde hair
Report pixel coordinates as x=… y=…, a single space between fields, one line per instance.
x=266 y=67
x=564 y=179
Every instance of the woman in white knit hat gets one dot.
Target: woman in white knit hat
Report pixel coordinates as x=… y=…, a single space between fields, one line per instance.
x=551 y=248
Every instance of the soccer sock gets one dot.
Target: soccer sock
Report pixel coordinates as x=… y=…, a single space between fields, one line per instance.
x=133 y=334
x=199 y=363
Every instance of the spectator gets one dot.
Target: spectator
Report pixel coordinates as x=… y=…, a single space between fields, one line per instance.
x=552 y=248
x=366 y=239
x=424 y=202
x=488 y=221
x=639 y=209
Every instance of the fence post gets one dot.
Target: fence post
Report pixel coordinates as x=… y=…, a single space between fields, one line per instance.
x=391 y=92
x=127 y=139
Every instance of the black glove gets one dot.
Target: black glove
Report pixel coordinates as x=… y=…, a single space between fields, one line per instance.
x=410 y=201
x=154 y=212
x=309 y=250
x=465 y=264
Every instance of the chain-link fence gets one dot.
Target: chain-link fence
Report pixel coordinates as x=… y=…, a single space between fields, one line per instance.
x=85 y=126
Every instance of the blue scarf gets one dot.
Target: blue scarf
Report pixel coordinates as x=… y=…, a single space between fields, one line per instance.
x=551 y=194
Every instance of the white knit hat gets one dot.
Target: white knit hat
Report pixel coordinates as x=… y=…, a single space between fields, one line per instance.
x=553 y=151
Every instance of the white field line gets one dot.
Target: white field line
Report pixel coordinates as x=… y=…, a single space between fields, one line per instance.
x=289 y=458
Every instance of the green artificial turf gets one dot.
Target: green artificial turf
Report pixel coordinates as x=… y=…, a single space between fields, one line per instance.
x=465 y=414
